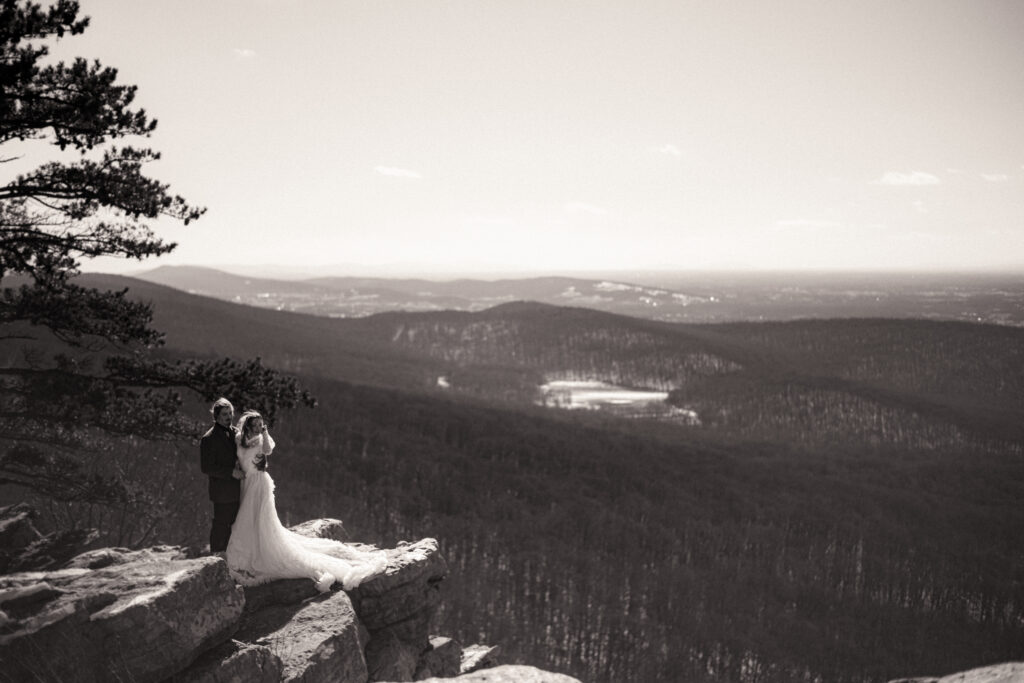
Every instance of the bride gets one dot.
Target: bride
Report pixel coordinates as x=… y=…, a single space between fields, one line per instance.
x=261 y=549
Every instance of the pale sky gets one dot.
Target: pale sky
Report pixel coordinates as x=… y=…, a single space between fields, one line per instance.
x=548 y=135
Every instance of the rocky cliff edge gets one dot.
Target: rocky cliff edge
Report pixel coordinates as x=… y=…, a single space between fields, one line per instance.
x=158 y=615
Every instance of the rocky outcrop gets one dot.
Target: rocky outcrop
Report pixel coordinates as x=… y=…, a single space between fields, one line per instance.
x=374 y=632
x=317 y=641
x=158 y=615
x=396 y=608
x=140 y=616
x=1010 y=672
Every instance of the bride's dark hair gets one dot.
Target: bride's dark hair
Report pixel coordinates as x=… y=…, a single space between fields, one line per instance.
x=245 y=432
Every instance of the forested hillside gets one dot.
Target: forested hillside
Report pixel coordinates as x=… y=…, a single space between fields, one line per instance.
x=848 y=510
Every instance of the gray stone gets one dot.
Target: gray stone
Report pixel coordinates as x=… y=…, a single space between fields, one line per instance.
x=389 y=658
x=318 y=640
x=508 y=673
x=407 y=594
x=397 y=607
x=477 y=657
x=443 y=659
x=110 y=557
x=143 y=619
x=233 y=662
x=280 y=592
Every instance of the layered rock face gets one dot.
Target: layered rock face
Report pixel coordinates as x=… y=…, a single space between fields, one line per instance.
x=157 y=615
x=113 y=614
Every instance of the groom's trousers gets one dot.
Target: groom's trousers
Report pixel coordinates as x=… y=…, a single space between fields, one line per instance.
x=223 y=517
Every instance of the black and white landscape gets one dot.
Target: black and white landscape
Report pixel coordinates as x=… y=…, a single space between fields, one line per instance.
x=834 y=498
x=674 y=342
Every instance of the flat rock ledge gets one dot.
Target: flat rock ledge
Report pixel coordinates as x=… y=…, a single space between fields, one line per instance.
x=1009 y=672
x=157 y=614
x=134 y=615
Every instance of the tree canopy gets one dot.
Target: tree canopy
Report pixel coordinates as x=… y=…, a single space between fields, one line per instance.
x=78 y=373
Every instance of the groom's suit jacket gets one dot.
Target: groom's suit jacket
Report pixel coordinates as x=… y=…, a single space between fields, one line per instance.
x=217 y=459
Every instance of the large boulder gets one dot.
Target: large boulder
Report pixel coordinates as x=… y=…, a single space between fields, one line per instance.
x=234 y=662
x=317 y=640
x=140 y=616
x=407 y=593
x=1009 y=672
x=394 y=607
x=397 y=607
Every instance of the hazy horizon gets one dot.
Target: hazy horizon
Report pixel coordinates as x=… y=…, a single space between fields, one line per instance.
x=423 y=271
x=483 y=137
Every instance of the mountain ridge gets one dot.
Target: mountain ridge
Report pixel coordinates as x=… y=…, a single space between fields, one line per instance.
x=680 y=297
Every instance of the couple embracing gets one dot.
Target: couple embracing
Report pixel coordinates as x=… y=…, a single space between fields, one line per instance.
x=246 y=530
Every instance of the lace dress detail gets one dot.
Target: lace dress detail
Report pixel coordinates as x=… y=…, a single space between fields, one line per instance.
x=261 y=549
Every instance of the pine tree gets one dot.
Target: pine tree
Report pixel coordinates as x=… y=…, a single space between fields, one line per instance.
x=79 y=381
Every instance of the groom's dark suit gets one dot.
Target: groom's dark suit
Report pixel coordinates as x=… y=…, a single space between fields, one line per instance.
x=217 y=459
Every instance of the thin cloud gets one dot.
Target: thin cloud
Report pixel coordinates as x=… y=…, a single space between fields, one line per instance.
x=914 y=178
x=919 y=236
x=995 y=177
x=244 y=53
x=670 y=150
x=805 y=224
x=393 y=172
x=581 y=208
x=489 y=220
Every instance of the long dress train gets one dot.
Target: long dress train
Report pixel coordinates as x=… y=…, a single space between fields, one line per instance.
x=261 y=549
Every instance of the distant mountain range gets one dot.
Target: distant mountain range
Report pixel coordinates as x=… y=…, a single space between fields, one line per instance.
x=504 y=353
x=681 y=298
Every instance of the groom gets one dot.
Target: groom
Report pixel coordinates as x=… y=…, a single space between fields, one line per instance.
x=218 y=460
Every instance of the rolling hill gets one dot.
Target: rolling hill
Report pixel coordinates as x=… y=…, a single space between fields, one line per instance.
x=847 y=510
x=859 y=376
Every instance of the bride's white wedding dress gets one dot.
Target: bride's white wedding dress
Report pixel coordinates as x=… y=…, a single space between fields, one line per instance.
x=261 y=549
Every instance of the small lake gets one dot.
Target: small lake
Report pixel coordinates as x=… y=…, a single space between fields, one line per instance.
x=590 y=394
x=622 y=401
